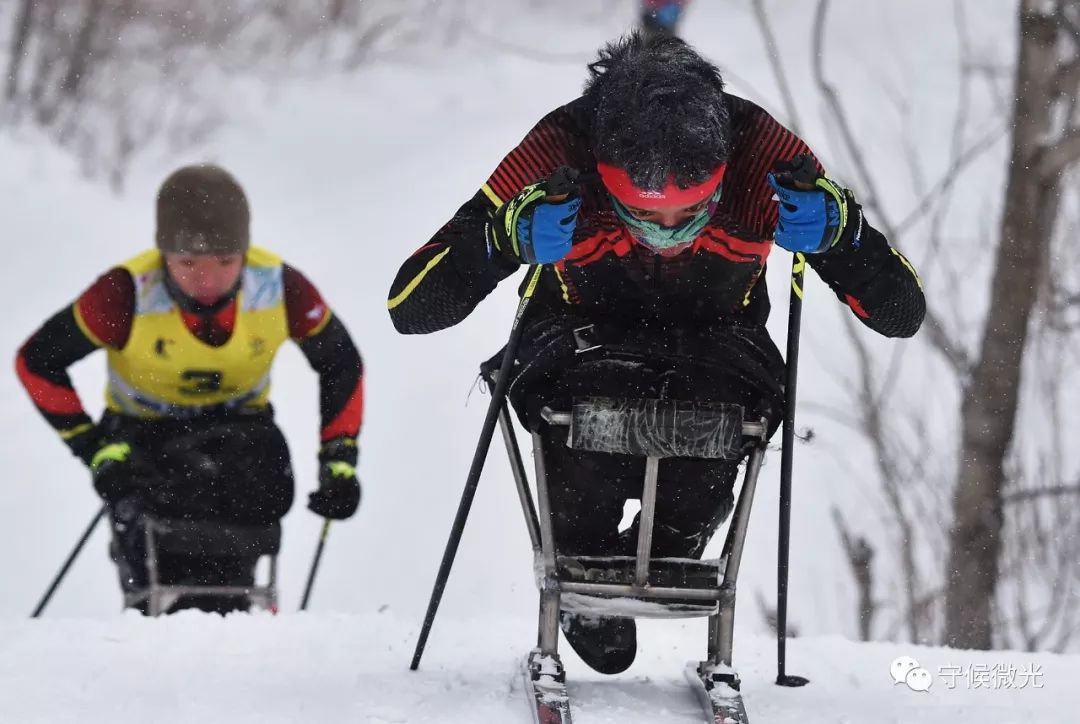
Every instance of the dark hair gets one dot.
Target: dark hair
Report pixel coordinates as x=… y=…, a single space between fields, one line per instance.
x=657 y=109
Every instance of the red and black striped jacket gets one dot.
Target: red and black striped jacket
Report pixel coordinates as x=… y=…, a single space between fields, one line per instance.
x=607 y=275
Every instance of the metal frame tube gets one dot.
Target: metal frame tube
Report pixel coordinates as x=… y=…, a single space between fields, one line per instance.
x=733 y=546
x=506 y=425
x=550 y=596
x=646 y=519
x=155 y=595
x=272 y=584
x=547 y=528
x=721 y=634
x=645 y=592
x=548 y=631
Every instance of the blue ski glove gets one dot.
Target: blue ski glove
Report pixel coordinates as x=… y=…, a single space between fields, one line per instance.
x=813 y=209
x=529 y=229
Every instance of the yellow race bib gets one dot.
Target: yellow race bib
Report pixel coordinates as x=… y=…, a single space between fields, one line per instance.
x=166 y=371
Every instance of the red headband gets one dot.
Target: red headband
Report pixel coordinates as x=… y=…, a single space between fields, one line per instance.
x=621 y=187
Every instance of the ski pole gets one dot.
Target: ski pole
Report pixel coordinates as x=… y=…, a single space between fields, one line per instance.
x=67 y=564
x=473 y=479
x=798 y=268
x=315 y=564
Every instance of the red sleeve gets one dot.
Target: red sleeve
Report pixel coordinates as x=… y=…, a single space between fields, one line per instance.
x=760 y=141
x=304 y=306
x=331 y=353
x=41 y=365
x=551 y=143
x=104 y=311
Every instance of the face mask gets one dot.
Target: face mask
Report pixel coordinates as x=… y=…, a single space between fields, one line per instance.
x=661 y=238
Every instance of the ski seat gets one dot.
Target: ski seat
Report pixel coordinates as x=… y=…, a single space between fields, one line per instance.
x=643 y=586
x=206 y=539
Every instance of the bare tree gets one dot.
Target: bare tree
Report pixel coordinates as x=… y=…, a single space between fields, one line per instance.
x=1010 y=570
x=913 y=481
x=106 y=77
x=860 y=555
x=1045 y=144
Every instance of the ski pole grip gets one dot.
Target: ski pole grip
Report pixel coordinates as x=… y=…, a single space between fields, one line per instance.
x=562 y=183
x=799 y=173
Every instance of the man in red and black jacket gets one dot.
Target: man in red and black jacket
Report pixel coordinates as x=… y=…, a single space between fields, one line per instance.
x=653 y=284
x=190 y=329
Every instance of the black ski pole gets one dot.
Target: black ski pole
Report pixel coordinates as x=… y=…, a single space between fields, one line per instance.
x=315 y=564
x=473 y=479
x=798 y=268
x=67 y=564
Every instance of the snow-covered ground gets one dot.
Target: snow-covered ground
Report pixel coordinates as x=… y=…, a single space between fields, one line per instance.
x=307 y=668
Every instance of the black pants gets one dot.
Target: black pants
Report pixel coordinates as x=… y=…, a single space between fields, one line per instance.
x=588 y=490
x=566 y=357
x=229 y=469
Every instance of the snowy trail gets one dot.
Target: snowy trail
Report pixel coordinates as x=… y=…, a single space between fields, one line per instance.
x=354 y=668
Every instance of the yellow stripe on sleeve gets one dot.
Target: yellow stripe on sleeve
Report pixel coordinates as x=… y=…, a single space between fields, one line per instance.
x=73 y=432
x=83 y=328
x=492 y=197
x=907 y=264
x=327 y=315
x=404 y=294
x=562 y=284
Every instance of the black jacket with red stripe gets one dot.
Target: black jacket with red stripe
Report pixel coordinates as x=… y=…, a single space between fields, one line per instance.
x=609 y=277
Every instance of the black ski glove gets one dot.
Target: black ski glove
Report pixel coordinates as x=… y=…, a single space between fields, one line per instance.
x=338 y=495
x=84 y=442
x=115 y=473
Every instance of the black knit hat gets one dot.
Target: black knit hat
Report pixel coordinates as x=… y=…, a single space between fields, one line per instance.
x=201 y=209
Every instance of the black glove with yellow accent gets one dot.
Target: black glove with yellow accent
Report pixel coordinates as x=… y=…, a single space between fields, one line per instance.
x=338 y=495
x=115 y=473
x=84 y=441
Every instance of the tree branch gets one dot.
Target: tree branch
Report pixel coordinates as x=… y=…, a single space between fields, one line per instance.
x=23 y=22
x=1058 y=157
x=860 y=557
x=772 y=51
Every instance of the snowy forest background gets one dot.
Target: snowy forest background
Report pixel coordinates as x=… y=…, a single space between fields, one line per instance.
x=357 y=128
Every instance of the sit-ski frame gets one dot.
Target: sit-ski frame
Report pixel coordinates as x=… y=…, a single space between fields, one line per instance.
x=714 y=678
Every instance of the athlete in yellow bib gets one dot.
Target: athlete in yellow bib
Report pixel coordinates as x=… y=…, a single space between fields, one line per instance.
x=190 y=330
